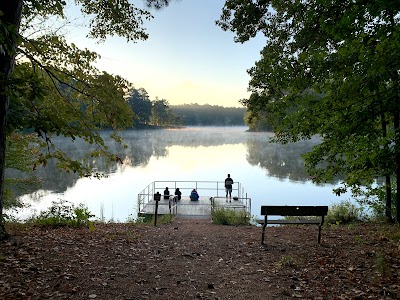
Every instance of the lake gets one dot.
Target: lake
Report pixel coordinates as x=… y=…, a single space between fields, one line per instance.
x=270 y=173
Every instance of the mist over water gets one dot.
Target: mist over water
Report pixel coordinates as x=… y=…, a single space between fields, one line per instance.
x=270 y=173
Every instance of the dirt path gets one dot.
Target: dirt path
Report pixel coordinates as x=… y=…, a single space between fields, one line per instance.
x=195 y=259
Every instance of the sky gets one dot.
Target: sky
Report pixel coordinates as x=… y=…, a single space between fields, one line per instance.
x=187 y=58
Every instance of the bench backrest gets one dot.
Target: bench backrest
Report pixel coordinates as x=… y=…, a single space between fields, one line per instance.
x=284 y=210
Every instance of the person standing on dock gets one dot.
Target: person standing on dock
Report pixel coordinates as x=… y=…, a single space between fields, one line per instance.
x=228 y=187
x=166 y=193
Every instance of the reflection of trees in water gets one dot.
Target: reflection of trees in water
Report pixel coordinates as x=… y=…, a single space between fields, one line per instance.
x=281 y=161
x=58 y=180
x=141 y=146
x=54 y=179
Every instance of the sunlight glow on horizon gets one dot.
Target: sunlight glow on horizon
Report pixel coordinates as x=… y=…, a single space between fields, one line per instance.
x=187 y=58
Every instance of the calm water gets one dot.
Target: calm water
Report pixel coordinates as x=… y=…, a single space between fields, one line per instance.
x=270 y=173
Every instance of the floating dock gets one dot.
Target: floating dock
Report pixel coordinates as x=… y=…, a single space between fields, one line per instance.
x=212 y=196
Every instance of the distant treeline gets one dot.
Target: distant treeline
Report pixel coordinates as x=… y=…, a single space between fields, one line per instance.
x=203 y=115
x=159 y=113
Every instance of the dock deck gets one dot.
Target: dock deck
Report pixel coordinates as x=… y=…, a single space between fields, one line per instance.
x=187 y=208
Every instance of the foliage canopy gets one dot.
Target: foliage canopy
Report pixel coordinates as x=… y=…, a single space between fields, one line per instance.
x=329 y=68
x=52 y=87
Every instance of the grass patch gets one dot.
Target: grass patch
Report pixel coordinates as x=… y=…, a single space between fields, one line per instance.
x=143 y=219
x=288 y=261
x=225 y=216
x=149 y=219
x=382 y=265
x=394 y=236
x=165 y=219
x=359 y=239
x=16 y=226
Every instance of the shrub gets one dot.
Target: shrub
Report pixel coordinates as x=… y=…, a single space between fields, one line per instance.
x=64 y=213
x=344 y=212
x=288 y=261
x=382 y=265
x=226 y=216
x=374 y=197
x=165 y=219
x=144 y=219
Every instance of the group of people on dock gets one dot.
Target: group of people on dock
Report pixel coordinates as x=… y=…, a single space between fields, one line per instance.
x=178 y=194
x=194 y=196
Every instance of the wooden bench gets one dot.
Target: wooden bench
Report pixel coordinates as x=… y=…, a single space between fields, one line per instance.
x=317 y=211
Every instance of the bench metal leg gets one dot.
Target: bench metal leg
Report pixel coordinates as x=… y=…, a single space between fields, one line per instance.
x=263 y=229
x=319 y=234
x=263 y=233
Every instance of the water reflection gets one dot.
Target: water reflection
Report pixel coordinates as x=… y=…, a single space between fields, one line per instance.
x=270 y=173
x=280 y=161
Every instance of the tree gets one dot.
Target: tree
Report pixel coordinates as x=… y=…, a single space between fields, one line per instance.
x=257 y=121
x=10 y=17
x=140 y=104
x=160 y=112
x=51 y=86
x=329 y=68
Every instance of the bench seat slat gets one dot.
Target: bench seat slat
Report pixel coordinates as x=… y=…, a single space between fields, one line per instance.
x=284 y=210
x=290 y=221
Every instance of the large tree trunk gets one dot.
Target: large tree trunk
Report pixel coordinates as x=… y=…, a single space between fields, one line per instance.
x=396 y=124
x=388 y=208
x=11 y=16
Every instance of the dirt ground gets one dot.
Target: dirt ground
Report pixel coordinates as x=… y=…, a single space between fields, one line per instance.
x=196 y=259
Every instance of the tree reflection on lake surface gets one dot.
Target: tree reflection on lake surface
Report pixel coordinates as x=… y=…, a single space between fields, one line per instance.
x=268 y=171
x=281 y=161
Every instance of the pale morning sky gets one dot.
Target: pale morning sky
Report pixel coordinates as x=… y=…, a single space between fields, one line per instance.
x=187 y=58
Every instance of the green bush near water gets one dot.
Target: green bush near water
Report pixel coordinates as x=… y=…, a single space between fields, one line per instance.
x=341 y=213
x=344 y=212
x=225 y=216
x=64 y=213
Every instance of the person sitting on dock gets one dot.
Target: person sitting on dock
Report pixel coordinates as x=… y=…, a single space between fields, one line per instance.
x=178 y=194
x=166 y=193
x=194 y=196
